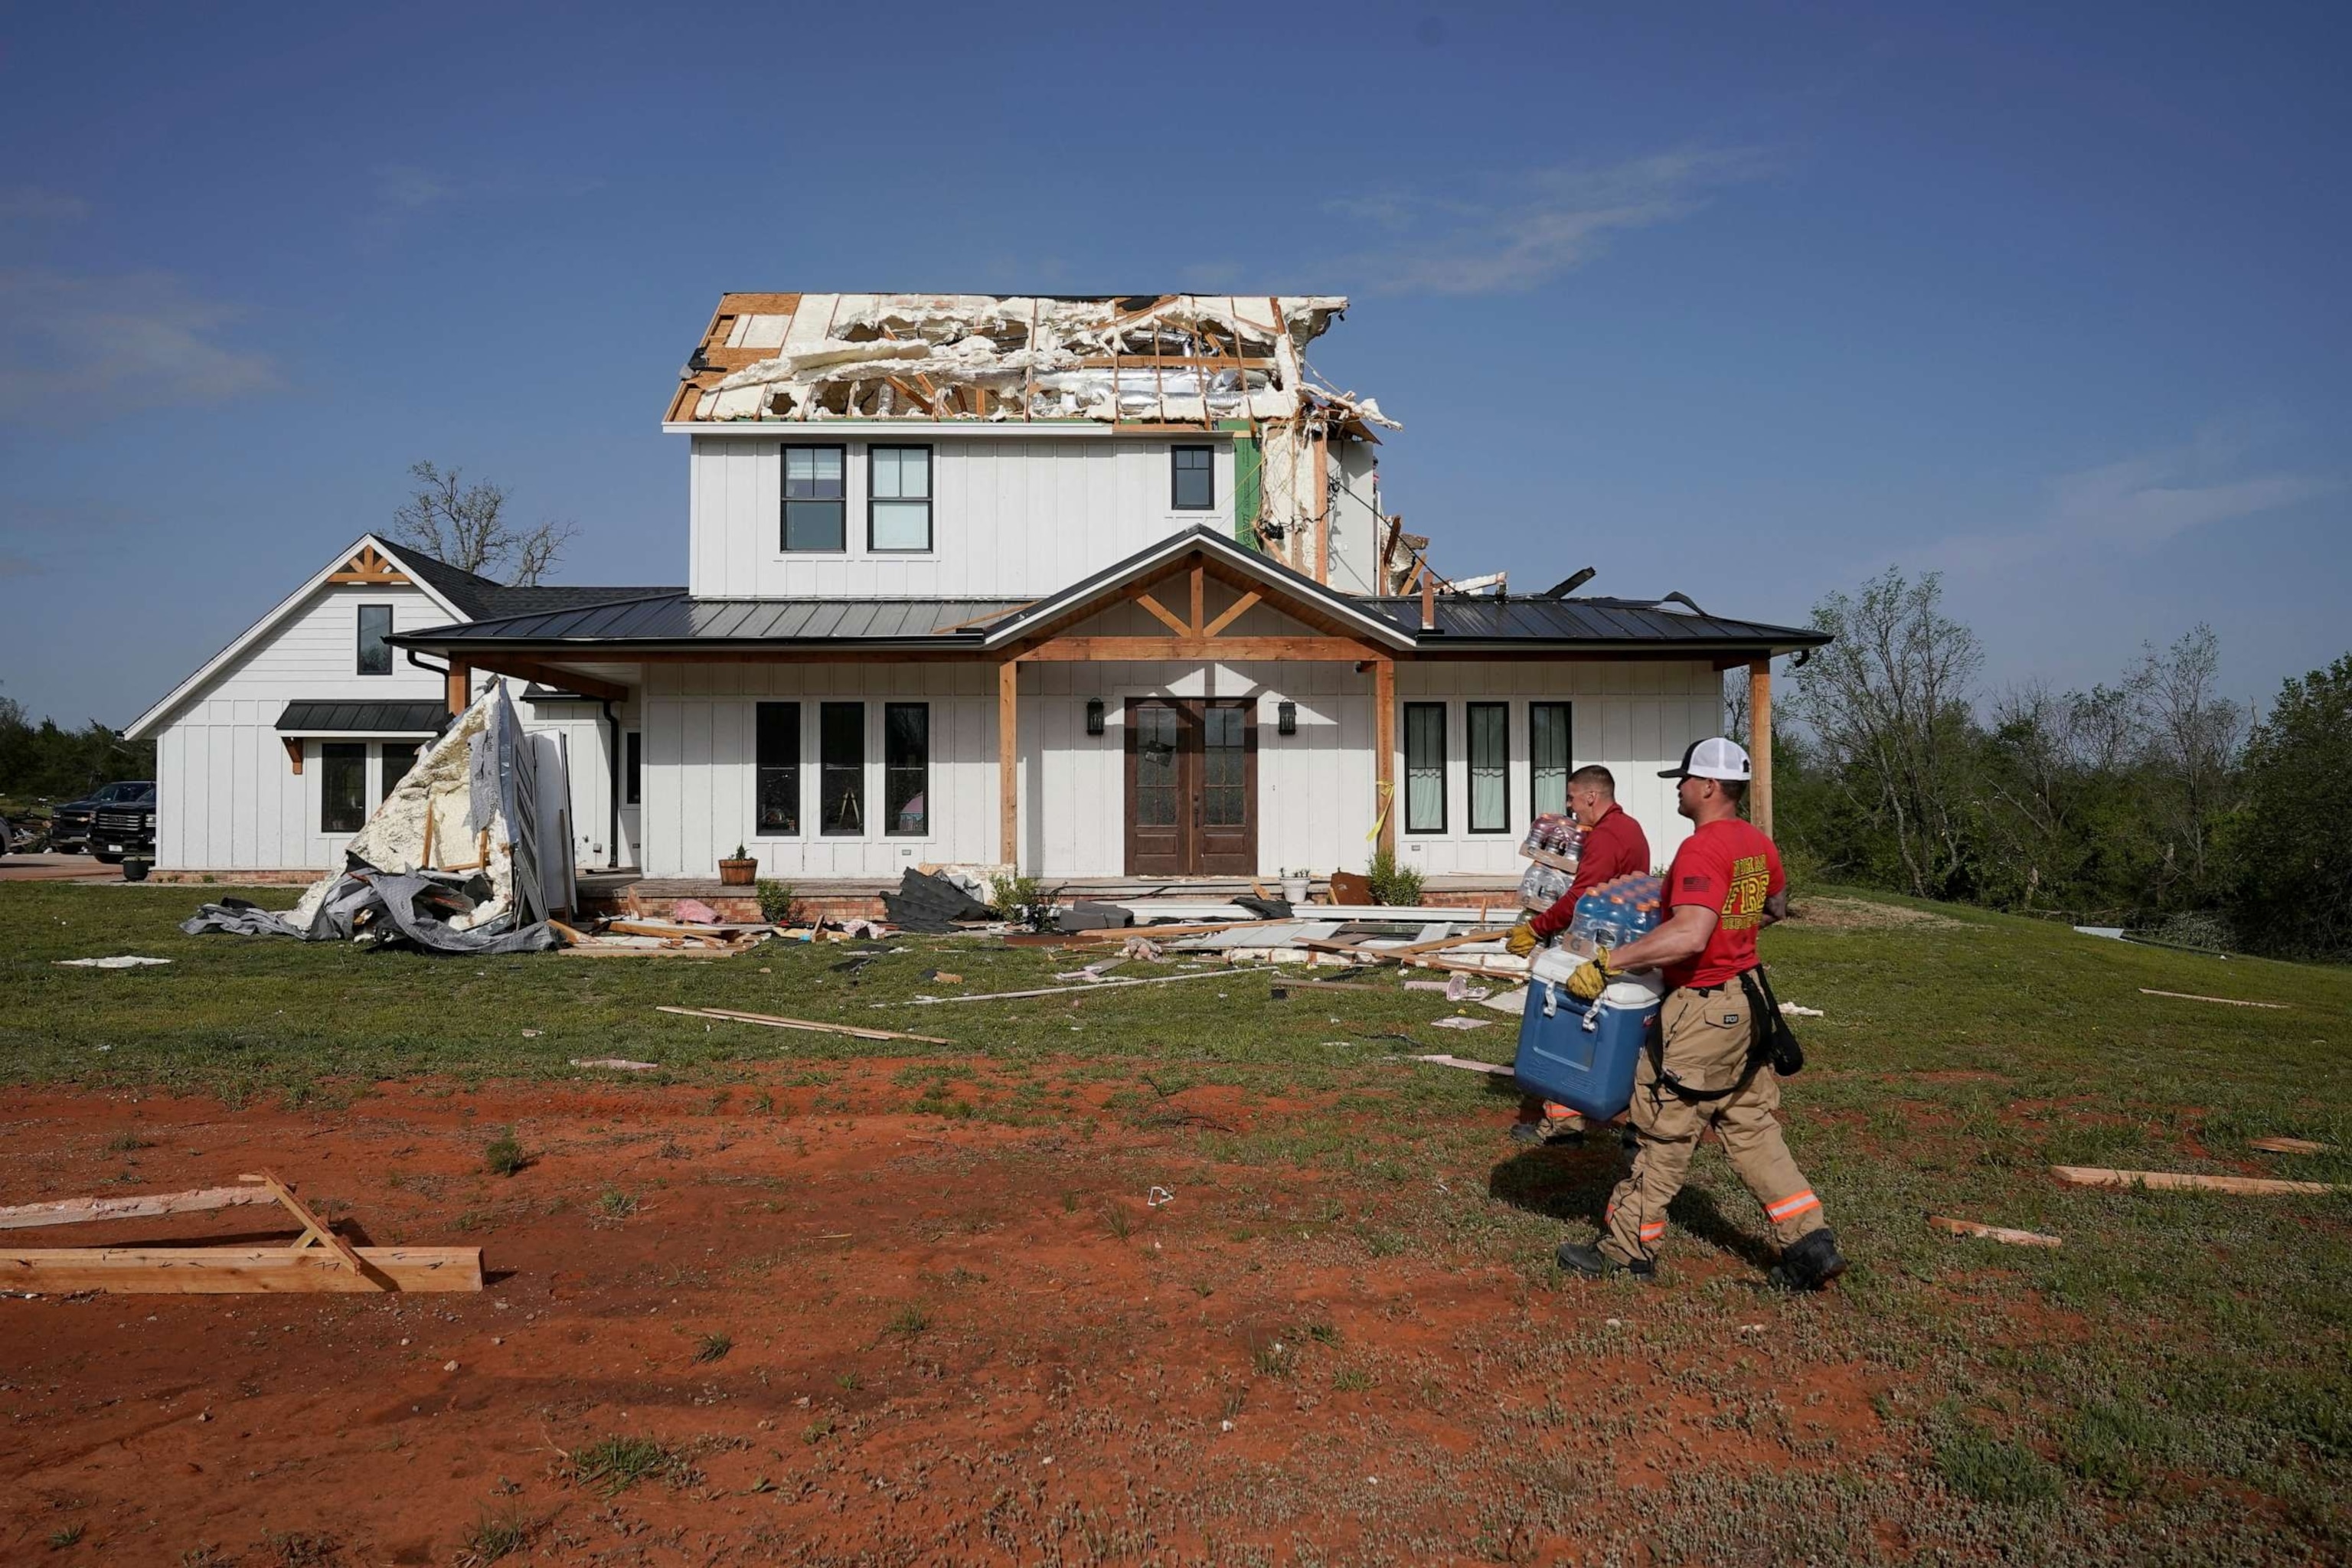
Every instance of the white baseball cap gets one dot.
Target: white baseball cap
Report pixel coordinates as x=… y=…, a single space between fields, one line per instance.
x=1713 y=758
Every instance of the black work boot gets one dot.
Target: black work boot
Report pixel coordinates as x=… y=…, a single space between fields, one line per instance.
x=1810 y=1263
x=1543 y=1134
x=1595 y=1264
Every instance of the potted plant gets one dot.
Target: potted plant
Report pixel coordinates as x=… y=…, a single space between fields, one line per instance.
x=135 y=867
x=737 y=871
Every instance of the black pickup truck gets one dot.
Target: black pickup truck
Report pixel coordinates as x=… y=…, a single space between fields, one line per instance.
x=70 y=824
x=125 y=828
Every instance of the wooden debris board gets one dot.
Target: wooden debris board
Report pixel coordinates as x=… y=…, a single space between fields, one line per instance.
x=2248 y=1186
x=1992 y=1232
x=2281 y=1145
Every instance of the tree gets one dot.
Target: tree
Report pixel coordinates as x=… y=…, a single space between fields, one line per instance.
x=2187 y=741
x=1889 y=706
x=2291 y=892
x=466 y=526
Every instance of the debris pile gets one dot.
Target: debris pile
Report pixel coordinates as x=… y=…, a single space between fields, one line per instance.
x=448 y=863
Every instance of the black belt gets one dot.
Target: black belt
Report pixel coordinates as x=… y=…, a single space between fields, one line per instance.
x=1710 y=990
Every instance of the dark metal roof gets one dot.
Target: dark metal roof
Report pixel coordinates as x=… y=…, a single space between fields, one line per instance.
x=363 y=718
x=482 y=600
x=1594 y=622
x=673 y=617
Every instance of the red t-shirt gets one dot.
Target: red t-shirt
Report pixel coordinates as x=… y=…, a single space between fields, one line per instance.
x=1614 y=846
x=1731 y=868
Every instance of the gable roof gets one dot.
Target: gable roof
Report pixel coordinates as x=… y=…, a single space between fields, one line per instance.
x=459 y=595
x=1264 y=569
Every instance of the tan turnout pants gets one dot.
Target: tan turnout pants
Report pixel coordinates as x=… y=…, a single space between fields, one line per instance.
x=1706 y=1035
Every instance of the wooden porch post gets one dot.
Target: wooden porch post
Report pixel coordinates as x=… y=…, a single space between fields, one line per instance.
x=1008 y=764
x=460 y=685
x=1384 y=744
x=1759 y=744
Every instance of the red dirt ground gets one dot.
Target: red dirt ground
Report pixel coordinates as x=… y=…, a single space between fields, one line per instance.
x=942 y=1346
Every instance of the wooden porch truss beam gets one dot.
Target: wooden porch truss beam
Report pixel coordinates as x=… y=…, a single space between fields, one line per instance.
x=546 y=675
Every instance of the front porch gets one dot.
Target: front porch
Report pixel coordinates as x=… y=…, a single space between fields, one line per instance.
x=628 y=893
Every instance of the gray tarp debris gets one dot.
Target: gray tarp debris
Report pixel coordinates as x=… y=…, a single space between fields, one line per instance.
x=467 y=800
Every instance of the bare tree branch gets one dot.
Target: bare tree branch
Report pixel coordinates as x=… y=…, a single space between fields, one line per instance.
x=465 y=526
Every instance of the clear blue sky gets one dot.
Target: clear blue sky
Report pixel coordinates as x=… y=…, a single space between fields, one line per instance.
x=1749 y=301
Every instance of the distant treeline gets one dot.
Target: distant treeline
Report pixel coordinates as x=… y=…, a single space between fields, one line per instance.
x=2154 y=802
x=47 y=762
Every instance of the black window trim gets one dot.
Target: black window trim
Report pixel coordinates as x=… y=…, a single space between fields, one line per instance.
x=1445 y=770
x=864 y=826
x=930 y=498
x=326 y=763
x=799 y=766
x=1470 y=768
x=783 y=501
x=890 y=829
x=1566 y=705
x=359 y=636
x=1175 y=501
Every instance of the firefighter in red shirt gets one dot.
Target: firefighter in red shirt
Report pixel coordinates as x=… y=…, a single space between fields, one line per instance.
x=1725 y=884
x=1614 y=845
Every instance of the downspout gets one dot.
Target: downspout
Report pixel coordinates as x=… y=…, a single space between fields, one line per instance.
x=613 y=791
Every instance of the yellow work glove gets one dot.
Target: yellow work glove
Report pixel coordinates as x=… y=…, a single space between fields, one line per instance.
x=1522 y=940
x=1592 y=978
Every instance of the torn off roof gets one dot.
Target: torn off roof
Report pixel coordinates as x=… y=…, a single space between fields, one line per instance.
x=1173 y=359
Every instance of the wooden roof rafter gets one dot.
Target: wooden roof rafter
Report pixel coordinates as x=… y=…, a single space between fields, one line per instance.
x=370 y=567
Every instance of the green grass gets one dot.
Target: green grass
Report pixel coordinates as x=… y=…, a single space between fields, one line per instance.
x=613 y=1464
x=2179 y=1348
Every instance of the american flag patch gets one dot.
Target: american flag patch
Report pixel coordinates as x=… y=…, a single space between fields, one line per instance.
x=1695 y=884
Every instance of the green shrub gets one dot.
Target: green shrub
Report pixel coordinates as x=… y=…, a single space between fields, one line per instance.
x=504 y=1156
x=1012 y=895
x=775 y=900
x=1393 y=883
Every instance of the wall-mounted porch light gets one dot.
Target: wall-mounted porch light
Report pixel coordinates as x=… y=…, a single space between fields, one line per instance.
x=1094 y=715
x=1286 y=719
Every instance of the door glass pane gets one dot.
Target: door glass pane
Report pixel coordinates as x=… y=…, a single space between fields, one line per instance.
x=1155 y=765
x=398 y=758
x=1225 y=759
x=905 y=766
x=1424 y=767
x=342 y=787
x=1548 y=753
x=1490 y=762
x=842 y=776
x=778 y=762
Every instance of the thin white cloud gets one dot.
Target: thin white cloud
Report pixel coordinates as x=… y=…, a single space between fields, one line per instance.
x=402 y=191
x=2137 y=504
x=31 y=205
x=1536 y=226
x=72 y=346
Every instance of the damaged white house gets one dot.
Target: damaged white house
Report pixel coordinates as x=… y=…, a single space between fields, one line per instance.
x=1093 y=586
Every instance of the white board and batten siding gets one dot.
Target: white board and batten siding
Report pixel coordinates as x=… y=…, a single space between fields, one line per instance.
x=1315 y=802
x=1633 y=717
x=226 y=796
x=1010 y=516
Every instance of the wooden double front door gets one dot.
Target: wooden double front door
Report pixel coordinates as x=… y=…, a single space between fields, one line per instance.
x=1192 y=787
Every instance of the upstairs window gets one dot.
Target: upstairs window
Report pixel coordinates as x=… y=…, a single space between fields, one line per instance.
x=376 y=639
x=898 y=499
x=777 y=781
x=1193 y=479
x=815 y=503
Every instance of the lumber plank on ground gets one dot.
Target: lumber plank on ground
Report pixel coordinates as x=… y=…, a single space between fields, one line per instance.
x=145 y=1205
x=1992 y=1232
x=219 y=1270
x=314 y=1227
x=773 y=1021
x=2283 y=1145
x=1461 y=939
x=2225 y=1001
x=1095 y=989
x=2249 y=1186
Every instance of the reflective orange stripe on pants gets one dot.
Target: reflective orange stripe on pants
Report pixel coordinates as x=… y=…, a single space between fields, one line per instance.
x=1792 y=1205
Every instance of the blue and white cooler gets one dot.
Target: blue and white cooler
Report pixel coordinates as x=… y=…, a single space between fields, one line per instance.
x=1583 y=1055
